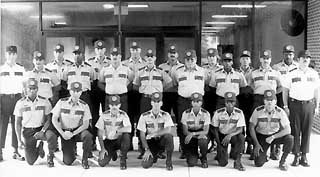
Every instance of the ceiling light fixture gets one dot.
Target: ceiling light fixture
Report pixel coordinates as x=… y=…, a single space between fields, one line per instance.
x=220 y=23
x=48 y=16
x=215 y=27
x=108 y=6
x=111 y=6
x=15 y=6
x=229 y=16
x=242 y=6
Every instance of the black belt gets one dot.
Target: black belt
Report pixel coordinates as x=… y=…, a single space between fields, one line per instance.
x=301 y=101
x=146 y=95
x=190 y=130
x=188 y=98
x=70 y=129
x=32 y=128
x=120 y=95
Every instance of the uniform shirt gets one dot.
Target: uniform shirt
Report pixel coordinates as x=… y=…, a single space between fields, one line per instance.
x=32 y=112
x=211 y=69
x=302 y=84
x=71 y=115
x=97 y=64
x=246 y=72
x=284 y=68
x=195 y=122
x=268 y=124
x=134 y=65
x=58 y=69
x=227 y=82
x=151 y=80
x=11 y=78
x=110 y=124
x=148 y=123
x=228 y=124
x=168 y=68
x=116 y=80
x=46 y=80
x=83 y=74
x=189 y=80
x=264 y=79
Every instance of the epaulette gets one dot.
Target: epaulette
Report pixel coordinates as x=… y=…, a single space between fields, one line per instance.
x=260 y=108
x=87 y=64
x=107 y=111
x=83 y=102
x=122 y=112
x=159 y=68
x=203 y=110
x=19 y=64
x=91 y=59
x=278 y=109
x=41 y=97
x=67 y=60
x=23 y=98
x=142 y=68
x=146 y=113
x=219 y=70
x=46 y=69
x=221 y=110
x=188 y=110
x=180 y=67
x=65 y=99
x=293 y=69
x=237 y=110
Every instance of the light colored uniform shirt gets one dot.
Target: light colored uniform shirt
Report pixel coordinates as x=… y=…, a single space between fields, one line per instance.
x=246 y=72
x=46 y=81
x=189 y=80
x=116 y=80
x=227 y=82
x=32 y=112
x=11 y=78
x=58 y=69
x=284 y=68
x=134 y=65
x=228 y=124
x=110 y=124
x=71 y=114
x=264 y=79
x=150 y=123
x=83 y=74
x=97 y=64
x=168 y=68
x=210 y=69
x=302 y=85
x=151 y=80
x=195 y=122
x=268 y=124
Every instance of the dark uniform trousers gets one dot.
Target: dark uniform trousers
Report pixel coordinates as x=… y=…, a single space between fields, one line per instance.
x=191 y=150
x=257 y=101
x=183 y=104
x=301 y=116
x=69 y=146
x=123 y=101
x=8 y=103
x=133 y=109
x=245 y=104
x=170 y=103
x=286 y=140
x=155 y=145
x=209 y=100
x=122 y=143
x=31 y=151
x=236 y=141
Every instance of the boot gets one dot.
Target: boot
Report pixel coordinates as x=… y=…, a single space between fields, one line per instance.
x=204 y=163
x=303 y=161
x=17 y=156
x=123 y=163
x=169 y=166
x=85 y=163
x=50 y=162
x=237 y=164
x=1 y=157
x=296 y=160
x=40 y=150
x=282 y=164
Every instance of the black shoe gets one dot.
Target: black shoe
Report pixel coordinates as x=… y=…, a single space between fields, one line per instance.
x=204 y=165
x=238 y=166
x=41 y=151
x=274 y=156
x=283 y=166
x=249 y=149
x=296 y=161
x=182 y=156
x=169 y=166
x=304 y=162
x=90 y=154
x=17 y=156
x=140 y=155
x=155 y=159
x=115 y=156
x=50 y=161
x=85 y=164
x=94 y=147
x=161 y=156
x=233 y=156
x=1 y=157
x=251 y=156
x=123 y=164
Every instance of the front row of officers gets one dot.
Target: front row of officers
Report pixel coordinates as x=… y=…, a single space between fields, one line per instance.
x=269 y=125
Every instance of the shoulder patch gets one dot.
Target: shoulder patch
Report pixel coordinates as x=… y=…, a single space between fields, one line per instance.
x=221 y=110
x=46 y=69
x=293 y=69
x=41 y=97
x=180 y=67
x=82 y=102
x=260 y=108
x=278 y=109
x=146 y=113
x=65 y=99
x=87 y=64
x=203 y=110
x=218 y=70
x=141 y=68
x=188 y=110
x=237 y=110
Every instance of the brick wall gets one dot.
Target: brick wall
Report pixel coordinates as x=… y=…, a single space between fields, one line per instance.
x=313 y=41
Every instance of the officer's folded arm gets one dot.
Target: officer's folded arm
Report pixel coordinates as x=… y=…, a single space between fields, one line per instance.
x=82 y=127
x=236 y=132
x=18 y=125
x=286 y=130
x=161 y=132
x=126 y=129
x=57 y=124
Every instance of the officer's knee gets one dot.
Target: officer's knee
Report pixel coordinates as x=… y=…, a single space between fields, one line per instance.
x=126 y=137
x=223 y=162
x=86 y=135
x=258 y=162
x=192 y=161
x=289 y=139
x=31 y=161
x=241 y=138
x=148 y=163
x=202 y=141
x=168 y=137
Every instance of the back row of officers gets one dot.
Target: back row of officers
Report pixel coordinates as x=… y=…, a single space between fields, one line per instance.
x=264 y=107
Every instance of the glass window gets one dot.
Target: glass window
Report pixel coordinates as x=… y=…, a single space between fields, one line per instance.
x=20 y=28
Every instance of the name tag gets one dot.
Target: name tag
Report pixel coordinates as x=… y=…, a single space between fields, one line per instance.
x=157 y=78
x=237 y=81
x=221 y=80
x=122 y=75
x=150 y=125
x=233 y=121
x=79 y=112
x=271 y=78
x=18 y=73
x=84 y=73
x=44 y=80
x=108 y=76
x=120 y=124
x=161 y=125
x=65 y=111
x=190 y=122
x=40 y=108
x=198 y=77
x=71 y=73
x=258 y=78
x=144 y=78
x=26 y=109
x=182 y=79
x=296 y=79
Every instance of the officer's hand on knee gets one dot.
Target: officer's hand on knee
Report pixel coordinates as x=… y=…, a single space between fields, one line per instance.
x=147 y=155
x=103 y=153
x=188 y=138
x=257 y=150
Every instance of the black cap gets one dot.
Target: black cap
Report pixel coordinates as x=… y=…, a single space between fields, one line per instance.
x=100 y=44
x=38 y=55
x=196 y=97
x=190 y=54
x=114 y=100
x=245 y=53
x=76 y=86
x=156 y=96
x=11 y=49
x=211 y=52
x=115 y=51
x=172 y=49
x=134 y=45
x=227 y=56
x=304 y=53
x=288 y=49
x=266 y=54
x=59 y=48
x=270 y=95
x=32 y=83
x=77 y=50
x=149 y=53
x=230 y=96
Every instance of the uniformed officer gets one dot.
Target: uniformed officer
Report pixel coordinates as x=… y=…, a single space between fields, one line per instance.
x=71 y=118
x=115 y=78
x=228 y=123
x=189 y=78
x=246 y=99
x=301 y=99
x=114 y=130
x=195 y=122
x=33 y=115
x=48 y=82
x=227 y=80
x=11 y=87
x=155 y=132
x=135 y=61
x=270 y=125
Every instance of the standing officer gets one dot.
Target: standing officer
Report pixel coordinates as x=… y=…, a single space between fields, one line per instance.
x=115 y=78
x=189 y=78
x=246 y=99
x=32 y=114
x=155 y=133
x=11 y=87
x=228 y=123
x=270 y=125
x=114 y=124
x=195 y=123
x=301 y=99
x=48 y=82
x=71 y=118
x=227 y=80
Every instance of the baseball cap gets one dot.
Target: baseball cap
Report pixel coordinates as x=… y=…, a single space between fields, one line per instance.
x=134 y=45
x=230 y=96
x=266 y=54
x=211 y=52
x=11 y=49
x=77 y=50
x=227 y=56
x=172 y=49
x=156 y=97
x=288 y=48
x=115 y=51
x=196 y=97
x=190 y=54
x=304 y=53
x=149 y=53
x=76 y=86
x=38 y=55
x=245 y=53
x=100 y=44
x=270 y=95
x=114 y=100
x=32 y=83
x=59 y=48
